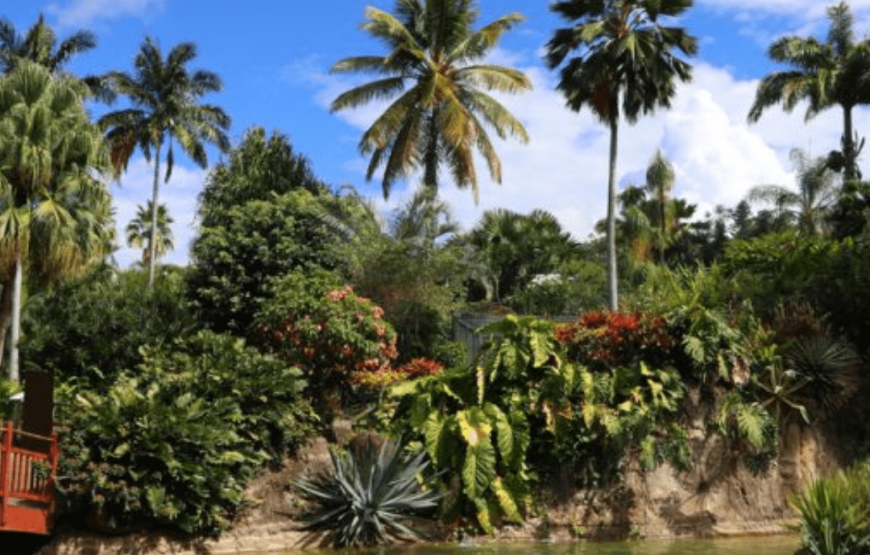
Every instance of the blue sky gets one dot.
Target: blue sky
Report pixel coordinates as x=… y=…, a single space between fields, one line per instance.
x=274 y=57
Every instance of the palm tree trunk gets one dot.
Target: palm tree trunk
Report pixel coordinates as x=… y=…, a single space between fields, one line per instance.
x=850 y=169
x=16 y=320
x=152 y=244
x=613 y=294
x=5 y=313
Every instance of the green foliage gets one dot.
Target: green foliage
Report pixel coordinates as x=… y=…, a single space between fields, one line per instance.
x=697 y=304
x=478 y=420
x=418 y=284
x=236 y=263
x=515 y=248
x=749 y=426
x=335 y=336
x=834 y=511
x=258 y=168
x=369 y=495
x=7 y=390
x=574 y=286
x=93 y=328
x=174 y=443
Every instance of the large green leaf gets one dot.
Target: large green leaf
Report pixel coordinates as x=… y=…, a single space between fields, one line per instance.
x=478 y=469
x=503 y=431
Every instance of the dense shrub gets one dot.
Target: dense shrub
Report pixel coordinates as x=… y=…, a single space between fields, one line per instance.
x=338 y=338
x=236 y=262
x=526 y=407
x=174 y=442
x=605 y=340
x=93 y=328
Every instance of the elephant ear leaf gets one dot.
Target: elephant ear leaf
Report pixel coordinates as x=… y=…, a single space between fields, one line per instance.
x=435 y=430
x=506 y=501
x=474 y=426
x=504 y=433
x=541 y=351
x=483 y=516
x=478 y=469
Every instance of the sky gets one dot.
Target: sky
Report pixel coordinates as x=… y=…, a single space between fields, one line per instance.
x=274 y=58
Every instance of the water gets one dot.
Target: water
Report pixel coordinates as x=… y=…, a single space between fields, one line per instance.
x=757 y=545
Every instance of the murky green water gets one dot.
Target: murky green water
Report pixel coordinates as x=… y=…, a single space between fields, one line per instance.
x=764 y=545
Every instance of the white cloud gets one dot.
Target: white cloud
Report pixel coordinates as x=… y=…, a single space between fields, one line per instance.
x=804 y=9
x=179 y=195
x=77 y=13
x=717 y=155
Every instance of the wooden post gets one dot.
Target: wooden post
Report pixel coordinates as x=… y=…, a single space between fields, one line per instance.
x=5 y=462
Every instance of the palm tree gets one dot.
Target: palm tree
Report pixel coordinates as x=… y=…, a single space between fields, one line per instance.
x=139 y=231
x=809 y=206
x=514 y=248
x=423 y=220
x=40 y=45
x=165 y=108
x=626 y=67
x=440 y=109
x=833 y=73
x=53 y=207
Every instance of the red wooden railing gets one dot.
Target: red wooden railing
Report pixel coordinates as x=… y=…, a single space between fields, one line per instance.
x=28 y=463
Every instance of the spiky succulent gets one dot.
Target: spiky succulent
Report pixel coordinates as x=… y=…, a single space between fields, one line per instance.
x=369 y=496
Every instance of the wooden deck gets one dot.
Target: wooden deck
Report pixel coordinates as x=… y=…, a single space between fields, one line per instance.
x=28 y=463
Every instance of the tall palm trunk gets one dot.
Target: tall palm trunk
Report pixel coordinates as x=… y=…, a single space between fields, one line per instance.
x=6 y=313
x=152 y=245
x=613 y=294
x=16 y=319
x=850 y=169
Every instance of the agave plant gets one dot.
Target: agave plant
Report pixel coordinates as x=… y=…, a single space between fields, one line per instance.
x=369 y=496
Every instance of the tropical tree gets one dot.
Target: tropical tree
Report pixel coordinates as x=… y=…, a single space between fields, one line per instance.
x=441 y=107
x=809 y=206
x=164 y=94
x=53 y=206
x=40 y=45
x=515 y=248
x=626 y=67
x=825 y=74
x=139 y=231
x=423 y=220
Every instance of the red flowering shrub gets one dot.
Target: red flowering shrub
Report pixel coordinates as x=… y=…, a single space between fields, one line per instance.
x=338 y=338
x=610 y=339
x=416 y=368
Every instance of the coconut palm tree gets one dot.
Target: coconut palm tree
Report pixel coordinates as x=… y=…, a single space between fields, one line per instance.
x=164 y=94
x=809 y=206
x=825 y=74
x=40 y=45
x=626 y=67
x=53 y=206
x=139 y=231
x=439 y=110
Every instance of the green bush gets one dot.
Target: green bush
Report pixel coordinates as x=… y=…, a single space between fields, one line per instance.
x=335 y=336
x=174 y=443
x=835 y=513
x=93 y=328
